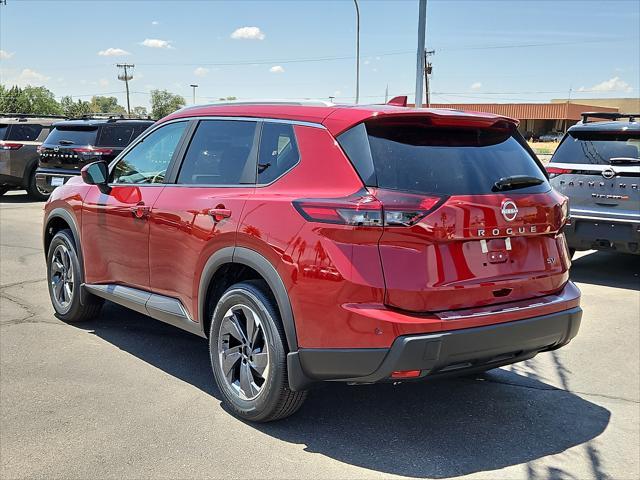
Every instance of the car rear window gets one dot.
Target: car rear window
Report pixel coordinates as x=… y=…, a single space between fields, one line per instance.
x=26 y=132
x=597 y=148
x=3 y=130
x=417 y=157
x=73 y=135
x=115 y=135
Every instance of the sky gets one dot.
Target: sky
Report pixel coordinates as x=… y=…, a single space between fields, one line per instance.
x=485 y=51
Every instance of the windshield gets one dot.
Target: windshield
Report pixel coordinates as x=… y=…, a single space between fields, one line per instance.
x=597 y=149
x=72 y=136
x=411 y=156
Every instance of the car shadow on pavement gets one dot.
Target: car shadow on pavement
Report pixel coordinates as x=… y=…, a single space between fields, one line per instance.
x=434 y=429
x=17 y=197
x=609 y=269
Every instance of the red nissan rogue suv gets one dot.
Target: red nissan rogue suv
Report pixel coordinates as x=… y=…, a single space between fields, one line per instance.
x=317 y=242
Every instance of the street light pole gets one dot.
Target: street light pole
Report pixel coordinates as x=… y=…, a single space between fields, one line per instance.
x=357 y=51
x=194 y=86
x=422 y=27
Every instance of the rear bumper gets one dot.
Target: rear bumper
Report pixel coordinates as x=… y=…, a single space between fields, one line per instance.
x=44 y=177
x=454 y=352
x=592 y=233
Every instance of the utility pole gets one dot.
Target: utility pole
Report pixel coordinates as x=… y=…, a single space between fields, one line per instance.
x=331 y=98
x=427 y=71
x=357 y=51
x=422 y=27
x=194 y=86
x=125 y=77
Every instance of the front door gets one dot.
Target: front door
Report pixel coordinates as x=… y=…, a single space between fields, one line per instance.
x=115 y=226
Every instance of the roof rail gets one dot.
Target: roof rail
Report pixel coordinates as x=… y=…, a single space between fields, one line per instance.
x=30 y=115
x=608 y=116
x=304 y=102
x=110 y=117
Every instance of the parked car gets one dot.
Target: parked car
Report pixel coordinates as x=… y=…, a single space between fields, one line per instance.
x=315 y=243
x=597 y=166
x=551 y=137
x=20 y=136
x=74 y=143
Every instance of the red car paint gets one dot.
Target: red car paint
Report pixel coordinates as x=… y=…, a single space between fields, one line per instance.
x=349 y=286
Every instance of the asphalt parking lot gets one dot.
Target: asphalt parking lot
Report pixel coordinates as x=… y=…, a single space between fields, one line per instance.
x=124 y=396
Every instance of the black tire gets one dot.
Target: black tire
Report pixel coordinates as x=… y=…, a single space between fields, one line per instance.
x=3 y=190
x=274 y=400
x=33 y=191
x=74 y=310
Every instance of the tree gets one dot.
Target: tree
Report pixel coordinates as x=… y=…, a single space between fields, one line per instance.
x=228 y=99
x=33 y=100
x=106 y=105
x=140 y=111
x=75 y=109
x=163 y=103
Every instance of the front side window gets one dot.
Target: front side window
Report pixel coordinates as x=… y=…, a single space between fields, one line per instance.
x=220 y=153
x=278 y=151
x=147 y=162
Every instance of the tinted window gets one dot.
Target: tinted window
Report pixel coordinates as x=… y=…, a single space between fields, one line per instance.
x=355 y=144
x=62 y=135
x=278 y=151
x=598 y=149
x=219 y=154
x=24 y=132
x=147 y=162
x=115 y=135
x=416 y=157
x=3 y=130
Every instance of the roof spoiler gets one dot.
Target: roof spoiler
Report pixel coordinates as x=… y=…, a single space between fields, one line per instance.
x=608 y=116
x=399 y=101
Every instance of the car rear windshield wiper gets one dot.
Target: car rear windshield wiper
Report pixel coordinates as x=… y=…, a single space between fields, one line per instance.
x=66 y=142
x=623 y=160
x=515 y=181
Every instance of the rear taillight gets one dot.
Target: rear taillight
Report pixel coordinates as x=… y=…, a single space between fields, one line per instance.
x=555 y=171
x=373 y=208
x=9 y=146
x=93 y=151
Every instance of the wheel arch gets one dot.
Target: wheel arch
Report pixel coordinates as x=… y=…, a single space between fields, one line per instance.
x=264 y=268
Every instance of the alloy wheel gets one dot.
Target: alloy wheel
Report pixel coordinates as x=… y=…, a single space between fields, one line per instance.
x=62 y=280
x=243 y=351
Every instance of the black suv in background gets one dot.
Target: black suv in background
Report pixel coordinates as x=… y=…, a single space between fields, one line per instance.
x=20 y=136
x=597 y=165
x=74 y=143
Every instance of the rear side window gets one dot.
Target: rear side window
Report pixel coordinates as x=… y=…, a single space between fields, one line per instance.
x=417 y=157
x=72 y=135
x=27 y=132
x=3 y=130
x=220 y=153
x=278 y=151
x=115 y=135
x=597 y=149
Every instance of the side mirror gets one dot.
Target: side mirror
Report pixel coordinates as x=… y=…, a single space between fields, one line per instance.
x=97 y=173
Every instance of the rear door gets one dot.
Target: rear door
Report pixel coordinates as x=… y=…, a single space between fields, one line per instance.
x=198 y=213
x=600 y=173
x=115 y=226
x=452 y=237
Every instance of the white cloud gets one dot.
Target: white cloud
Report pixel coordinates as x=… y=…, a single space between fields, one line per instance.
x=248 y=33
x=113 y=52
x=201 y=72
x=156 y=43
x=367 y=62
x=614 y=84
x=276 y=69
x=155 y=22
x=103 y=82
x=4 y=55
x=30 y=77
x=476 y=86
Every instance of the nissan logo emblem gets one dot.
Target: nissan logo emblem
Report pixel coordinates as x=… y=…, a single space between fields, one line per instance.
x=509 y=210
x=609 y=173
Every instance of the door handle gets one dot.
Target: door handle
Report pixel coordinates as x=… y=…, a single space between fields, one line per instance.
x=140 y=210
x=219 y=213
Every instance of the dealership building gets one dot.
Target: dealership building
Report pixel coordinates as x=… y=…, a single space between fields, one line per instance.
x=556 y=116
